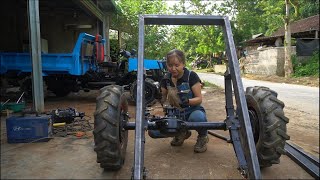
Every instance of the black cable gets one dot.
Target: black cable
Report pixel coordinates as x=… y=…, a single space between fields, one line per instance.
x=28 y=143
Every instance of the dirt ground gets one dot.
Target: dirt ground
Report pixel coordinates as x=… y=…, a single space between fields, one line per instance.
x=73 y=158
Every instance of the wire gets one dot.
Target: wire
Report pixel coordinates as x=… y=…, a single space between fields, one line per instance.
x=27 y=143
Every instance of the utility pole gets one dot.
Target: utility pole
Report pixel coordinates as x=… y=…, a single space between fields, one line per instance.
x=288 y=69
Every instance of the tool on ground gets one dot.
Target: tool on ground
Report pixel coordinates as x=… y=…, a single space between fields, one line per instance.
x=20 y=97
x=5 y=102
x=69 y=121
x=65 y=115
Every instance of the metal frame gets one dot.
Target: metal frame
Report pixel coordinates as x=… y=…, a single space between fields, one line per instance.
x=34 y=36
x=237 y=122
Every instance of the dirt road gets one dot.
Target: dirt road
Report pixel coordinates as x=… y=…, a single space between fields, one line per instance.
x=74 y=158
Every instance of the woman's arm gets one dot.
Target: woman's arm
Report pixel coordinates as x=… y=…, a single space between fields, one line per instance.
x=197 y=99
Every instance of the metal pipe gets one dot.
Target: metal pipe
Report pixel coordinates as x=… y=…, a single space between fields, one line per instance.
x=5 y=102
x=205 y=125
x=302 y=161
x=139 y=131
x=187 y=125
x=313 y=159
x=20 y=97
x=34 y=36
x=233 y=64
x=220 y=136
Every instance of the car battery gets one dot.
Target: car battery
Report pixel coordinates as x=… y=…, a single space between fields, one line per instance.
x=31 y=128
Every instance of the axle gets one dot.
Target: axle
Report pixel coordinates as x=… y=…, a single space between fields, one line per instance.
x=185 y=125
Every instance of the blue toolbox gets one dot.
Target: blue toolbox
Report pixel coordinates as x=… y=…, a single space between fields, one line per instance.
x=31 y=128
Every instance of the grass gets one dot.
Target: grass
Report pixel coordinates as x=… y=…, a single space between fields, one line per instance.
x=208 y=84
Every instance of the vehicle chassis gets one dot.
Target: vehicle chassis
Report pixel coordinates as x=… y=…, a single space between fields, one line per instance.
x=237 y=122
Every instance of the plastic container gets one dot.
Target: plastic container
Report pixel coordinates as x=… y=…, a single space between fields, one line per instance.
x=15 y=107
x=24 y=129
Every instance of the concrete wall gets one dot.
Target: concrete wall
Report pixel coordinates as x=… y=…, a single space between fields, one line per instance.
x=62 y=38
x=15 y=33
x=220 y=68
x=265 y=61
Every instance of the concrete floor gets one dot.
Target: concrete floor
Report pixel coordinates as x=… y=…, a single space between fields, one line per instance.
x=74 y=158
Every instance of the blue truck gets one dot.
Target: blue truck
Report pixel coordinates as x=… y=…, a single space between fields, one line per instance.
x=82 y=69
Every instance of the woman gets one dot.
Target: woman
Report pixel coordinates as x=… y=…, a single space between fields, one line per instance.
x=184 y=91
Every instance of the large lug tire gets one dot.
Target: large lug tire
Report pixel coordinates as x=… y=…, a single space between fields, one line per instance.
x=150 y=91
x=109 y=136
x=268 y=124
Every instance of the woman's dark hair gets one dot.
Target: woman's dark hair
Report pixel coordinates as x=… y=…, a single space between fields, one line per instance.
x=178 y=54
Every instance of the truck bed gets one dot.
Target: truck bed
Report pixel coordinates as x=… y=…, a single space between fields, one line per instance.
x=52 y=63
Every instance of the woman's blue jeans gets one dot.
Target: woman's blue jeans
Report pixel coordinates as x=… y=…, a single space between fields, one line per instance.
x=198 y=116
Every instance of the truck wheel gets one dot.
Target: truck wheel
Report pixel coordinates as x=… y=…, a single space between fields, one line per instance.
x=60 y=87
x=61 y=92
x=109 y=137
x=268 y=124
x=150 y=91
x=26 y=87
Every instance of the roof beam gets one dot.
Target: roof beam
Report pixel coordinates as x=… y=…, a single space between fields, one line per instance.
x=88 y=4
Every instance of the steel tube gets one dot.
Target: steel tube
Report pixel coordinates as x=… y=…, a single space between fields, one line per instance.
x=220 y=136
x=187 y=125
x=139 y=131
x=303 y=161
x=242 y=109
x=205 y=125
x=37 y=80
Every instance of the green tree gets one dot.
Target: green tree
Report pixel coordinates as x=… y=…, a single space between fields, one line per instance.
x=128 y=20
x=308 y=8
x=197 y=41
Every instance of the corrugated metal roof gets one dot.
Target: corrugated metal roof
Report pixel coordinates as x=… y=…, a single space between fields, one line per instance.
x=108 y=6
x=301 y=26
x=308 y=24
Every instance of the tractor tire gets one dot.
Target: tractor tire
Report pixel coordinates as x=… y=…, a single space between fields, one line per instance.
x=268 y=124
x=150 y=92
x=109 y=136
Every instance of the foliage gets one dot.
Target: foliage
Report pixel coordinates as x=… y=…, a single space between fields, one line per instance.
x=248 y=17
x=208 y=84
x=309 y=67
x=308 y=8
x=199 y=42
x=114 y=49
x=266 y=16
x=155 y=36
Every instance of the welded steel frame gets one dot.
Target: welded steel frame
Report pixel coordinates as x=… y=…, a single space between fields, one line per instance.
x=237 y=122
